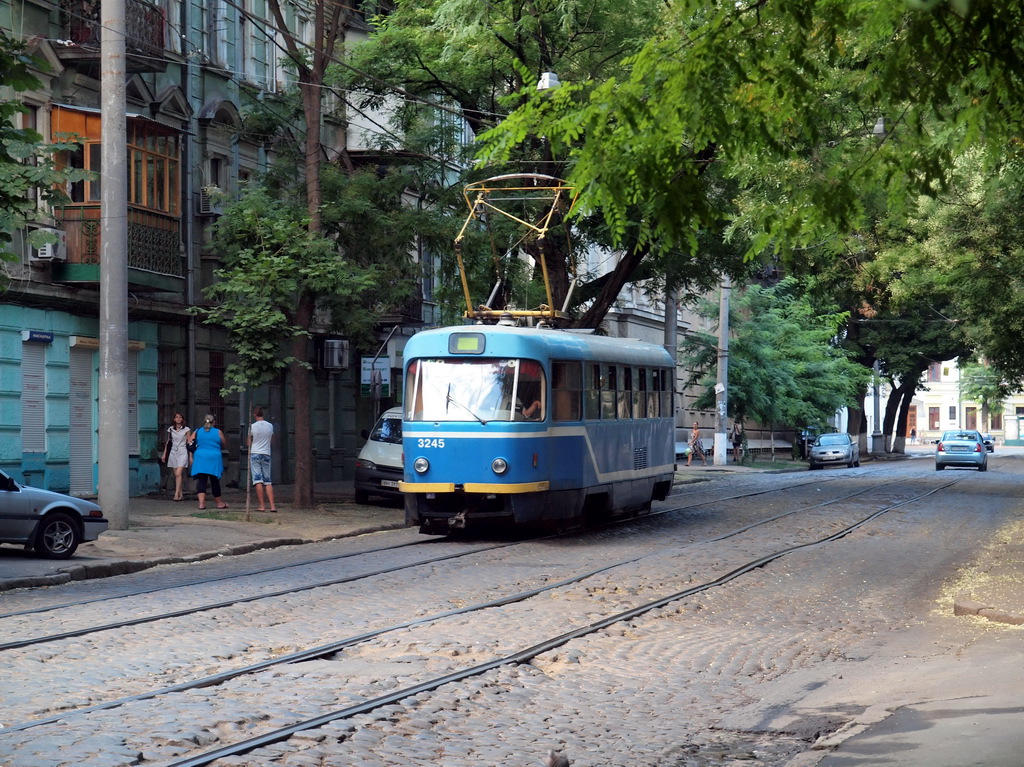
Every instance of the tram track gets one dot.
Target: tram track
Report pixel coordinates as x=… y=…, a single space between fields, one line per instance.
x=526 y=654
x=516 y=657
x=136 y=621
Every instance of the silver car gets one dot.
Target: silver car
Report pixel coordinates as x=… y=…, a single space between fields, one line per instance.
x=962 y=447
x=51 y=523
x=834 y=449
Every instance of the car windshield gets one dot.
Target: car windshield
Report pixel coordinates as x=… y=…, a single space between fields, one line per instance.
x=474 y=390
x=833 y=439
x=388 y=430
x=966 y=436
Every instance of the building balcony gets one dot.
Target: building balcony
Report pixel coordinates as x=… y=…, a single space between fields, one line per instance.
x=155 y=262
x=144 y=33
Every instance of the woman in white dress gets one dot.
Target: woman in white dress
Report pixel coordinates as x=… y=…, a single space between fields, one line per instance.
x=175 y=454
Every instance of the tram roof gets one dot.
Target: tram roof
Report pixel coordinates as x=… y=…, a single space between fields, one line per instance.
x=540 y=343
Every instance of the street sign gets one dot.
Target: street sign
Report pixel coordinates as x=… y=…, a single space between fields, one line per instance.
x=375 y=374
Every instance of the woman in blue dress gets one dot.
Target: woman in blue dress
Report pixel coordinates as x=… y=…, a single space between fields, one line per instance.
x=207 y=462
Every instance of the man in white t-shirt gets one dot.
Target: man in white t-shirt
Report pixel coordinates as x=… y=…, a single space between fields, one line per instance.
x=261 y=434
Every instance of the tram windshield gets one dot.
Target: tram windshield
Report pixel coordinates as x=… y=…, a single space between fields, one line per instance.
x=475 y=390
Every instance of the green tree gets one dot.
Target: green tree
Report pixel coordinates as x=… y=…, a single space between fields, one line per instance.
x=486 y=58
x=785 y=366
x=985 y=385
x=781 y=99
x=269 y=258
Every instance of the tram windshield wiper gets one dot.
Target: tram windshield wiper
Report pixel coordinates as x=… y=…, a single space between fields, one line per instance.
x=448 y=400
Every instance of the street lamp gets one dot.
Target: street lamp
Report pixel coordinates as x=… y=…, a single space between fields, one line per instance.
x=548 y=80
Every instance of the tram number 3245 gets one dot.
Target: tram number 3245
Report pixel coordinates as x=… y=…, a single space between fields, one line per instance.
x=430 y=442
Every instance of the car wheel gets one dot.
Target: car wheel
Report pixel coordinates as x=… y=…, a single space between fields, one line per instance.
x=983 y=467
x=362 y=496
x=857 y=463
x=939 y=467
x=57 y=537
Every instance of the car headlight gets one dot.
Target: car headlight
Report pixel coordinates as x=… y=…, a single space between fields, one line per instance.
x=362 y=463
x=420 y=465
x=499 y=465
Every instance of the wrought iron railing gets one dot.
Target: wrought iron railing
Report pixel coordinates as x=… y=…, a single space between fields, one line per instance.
x=144 y=25
x=154 y=239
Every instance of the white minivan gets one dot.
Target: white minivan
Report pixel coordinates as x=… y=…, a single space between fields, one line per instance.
x=379 y=465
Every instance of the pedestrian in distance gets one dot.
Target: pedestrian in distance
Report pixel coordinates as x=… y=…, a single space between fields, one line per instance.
x=695 y=446
x=176 y=454
x=737 y=441
x=261 y=435
x=207 y=461
x=913 y=436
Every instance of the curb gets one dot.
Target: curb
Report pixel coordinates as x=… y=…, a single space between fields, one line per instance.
x=963 y=604
x=110 y=568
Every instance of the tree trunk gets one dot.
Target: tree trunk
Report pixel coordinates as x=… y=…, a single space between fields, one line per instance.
x=597 y=311
x=892 y=407
x=857 y=424
x=900 y=438
x=304 y=468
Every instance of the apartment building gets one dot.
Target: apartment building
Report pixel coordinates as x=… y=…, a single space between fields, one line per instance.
x=193 y=69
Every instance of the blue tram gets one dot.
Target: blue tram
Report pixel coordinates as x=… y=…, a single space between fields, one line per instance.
x=532 y=426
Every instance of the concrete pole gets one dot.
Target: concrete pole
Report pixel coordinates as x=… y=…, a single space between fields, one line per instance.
x=877 y=447
x=721 y=457
x=113 y=378
x=672 y=341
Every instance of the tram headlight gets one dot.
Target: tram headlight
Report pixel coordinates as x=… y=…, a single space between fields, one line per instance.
x=421 y=465
x=499 y=465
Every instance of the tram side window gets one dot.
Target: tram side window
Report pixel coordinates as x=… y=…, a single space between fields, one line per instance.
x=609 y=387
x=624 y=395
x=530 y=392
x=665 y=388
x=567 y=390
x=592 y=392
x=640 y=393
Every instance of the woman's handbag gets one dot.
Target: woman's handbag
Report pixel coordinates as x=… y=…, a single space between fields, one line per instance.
x=167 y=450
x=191 y=445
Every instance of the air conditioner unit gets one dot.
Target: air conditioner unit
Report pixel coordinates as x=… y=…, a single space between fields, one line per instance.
x=52 y=251
x=208 y=204
x=334 y=355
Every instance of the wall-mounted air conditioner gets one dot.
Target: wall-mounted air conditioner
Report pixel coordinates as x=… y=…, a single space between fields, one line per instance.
x=209 y=202
x=334 y=355
x=51 y=251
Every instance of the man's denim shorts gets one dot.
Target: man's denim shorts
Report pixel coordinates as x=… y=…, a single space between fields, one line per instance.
x=260 y=469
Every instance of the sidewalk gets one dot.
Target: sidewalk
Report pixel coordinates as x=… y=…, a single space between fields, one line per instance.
x=162 y=531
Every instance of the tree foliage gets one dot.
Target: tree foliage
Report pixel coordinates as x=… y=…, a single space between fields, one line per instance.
x=765 y=90
x=485 y=59
x=269 y=256
x=784 y=364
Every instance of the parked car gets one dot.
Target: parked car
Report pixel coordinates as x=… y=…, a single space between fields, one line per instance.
x=990 y=444
x=830 y=449
x=52 y=523
x=379 y=465
x=961 y=447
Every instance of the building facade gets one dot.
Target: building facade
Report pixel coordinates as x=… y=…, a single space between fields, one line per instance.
x=194 y=69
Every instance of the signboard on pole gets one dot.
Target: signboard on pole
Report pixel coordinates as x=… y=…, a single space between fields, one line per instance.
x=375 y=377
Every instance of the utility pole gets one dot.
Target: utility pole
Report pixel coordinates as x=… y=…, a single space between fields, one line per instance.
x=877 y=446
x=672 y=323
x=113 y=331
x=721 y=457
